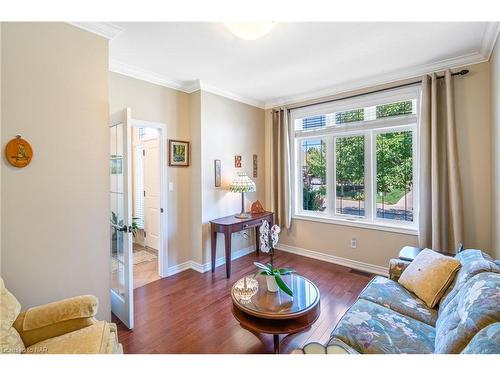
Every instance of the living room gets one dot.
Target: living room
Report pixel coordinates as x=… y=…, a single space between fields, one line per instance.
x=303 y=201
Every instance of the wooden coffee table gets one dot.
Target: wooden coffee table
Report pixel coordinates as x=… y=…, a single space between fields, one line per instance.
x=278 y=313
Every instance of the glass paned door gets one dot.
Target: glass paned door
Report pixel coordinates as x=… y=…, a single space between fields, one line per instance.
x=121 y=218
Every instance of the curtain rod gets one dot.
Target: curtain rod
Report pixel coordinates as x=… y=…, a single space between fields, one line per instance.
x=460 y=73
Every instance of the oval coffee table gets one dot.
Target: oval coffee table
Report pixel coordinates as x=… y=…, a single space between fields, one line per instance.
x=278 y=313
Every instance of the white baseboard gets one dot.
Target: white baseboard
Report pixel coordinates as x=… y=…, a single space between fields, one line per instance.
x=178 y=268
x=222 y=260
x=366 y=267
x=202 y=268
x=357 y=265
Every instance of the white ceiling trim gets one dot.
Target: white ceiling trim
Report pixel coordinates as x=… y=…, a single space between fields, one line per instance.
x=214 y=90
x=381 y=79
x=184 y=86
x=145 y=75
x=489 y=38
x=110 y=31
x=488 y=43
x=107 y=30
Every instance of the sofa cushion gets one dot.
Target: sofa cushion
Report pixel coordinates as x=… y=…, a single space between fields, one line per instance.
x=60 y=311
x=10 y=340
x=394 y=296
x=94 y=339
x=368 y=327
x=57 y=329
x=429 y=275
x=9 y=308
x=486 y=341
x=473 y=262
x=476 y=306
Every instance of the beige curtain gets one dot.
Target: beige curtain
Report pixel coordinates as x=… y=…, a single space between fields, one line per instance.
x=280 y=175
x=441 y=209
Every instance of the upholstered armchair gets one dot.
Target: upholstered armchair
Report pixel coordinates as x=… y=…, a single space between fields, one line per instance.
x=68 y=326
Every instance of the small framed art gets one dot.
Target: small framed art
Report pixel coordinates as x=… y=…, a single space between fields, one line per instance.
x=178 y=153
x=255 y=166
x=217 y=169
x=237 y=161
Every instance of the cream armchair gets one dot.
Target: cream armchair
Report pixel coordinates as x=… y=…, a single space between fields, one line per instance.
x=63 y=327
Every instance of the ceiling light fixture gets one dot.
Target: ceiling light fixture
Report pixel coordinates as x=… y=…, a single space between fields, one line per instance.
x=249 y=30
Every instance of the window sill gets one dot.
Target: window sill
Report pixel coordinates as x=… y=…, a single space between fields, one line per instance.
x=359 y=224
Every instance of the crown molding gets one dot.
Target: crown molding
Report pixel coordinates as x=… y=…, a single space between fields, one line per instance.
x=107 y=30
x=145 y=75
x=110 y=31
x=227 y=94
x=381 y=79
x=488 y=43
x=184 y=86
x=489 y=38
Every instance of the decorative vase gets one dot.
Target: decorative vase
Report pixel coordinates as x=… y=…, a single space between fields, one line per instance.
x=272 y=286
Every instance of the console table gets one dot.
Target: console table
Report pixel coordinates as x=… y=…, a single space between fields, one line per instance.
x=231 y=224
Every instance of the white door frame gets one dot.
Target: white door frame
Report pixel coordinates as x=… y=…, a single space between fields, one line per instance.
x=123 y=306
x=163 y=250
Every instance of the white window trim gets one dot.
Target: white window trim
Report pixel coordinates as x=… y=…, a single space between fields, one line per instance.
x=369 y=129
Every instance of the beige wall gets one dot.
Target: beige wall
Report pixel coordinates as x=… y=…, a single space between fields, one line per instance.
x=218 y=128
x=472 y=111
x=150 y=102
x=55 y=226
x=0 y=138
x=229 y=128
x=495 y=143
x=473 y=132
x=196 y=177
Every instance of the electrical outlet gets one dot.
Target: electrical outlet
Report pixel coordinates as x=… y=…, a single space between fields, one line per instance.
x=354 y=243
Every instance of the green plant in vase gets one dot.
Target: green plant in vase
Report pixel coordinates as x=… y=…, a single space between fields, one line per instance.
x=268 y=240
x=135 y=226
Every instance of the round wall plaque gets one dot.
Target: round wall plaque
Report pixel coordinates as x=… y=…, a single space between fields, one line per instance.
x=18 y=152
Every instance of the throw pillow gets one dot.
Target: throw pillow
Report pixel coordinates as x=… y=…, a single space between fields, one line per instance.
x=429 y=275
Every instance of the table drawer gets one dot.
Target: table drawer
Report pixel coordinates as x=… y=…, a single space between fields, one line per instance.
x=252 y=224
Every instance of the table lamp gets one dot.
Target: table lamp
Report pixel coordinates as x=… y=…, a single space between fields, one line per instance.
x=242 y=184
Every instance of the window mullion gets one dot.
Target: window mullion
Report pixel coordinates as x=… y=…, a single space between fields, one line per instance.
x=331 y=172
x=368 y=177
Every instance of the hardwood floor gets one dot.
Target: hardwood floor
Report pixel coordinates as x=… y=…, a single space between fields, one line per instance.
x=191 y=312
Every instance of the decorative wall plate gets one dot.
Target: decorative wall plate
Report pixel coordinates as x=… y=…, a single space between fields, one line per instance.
x=19 y=152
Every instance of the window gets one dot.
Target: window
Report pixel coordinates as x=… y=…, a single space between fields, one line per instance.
x=356 y=159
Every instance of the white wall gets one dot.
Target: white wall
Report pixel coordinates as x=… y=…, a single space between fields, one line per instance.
x=55 y=219
x=495 y=145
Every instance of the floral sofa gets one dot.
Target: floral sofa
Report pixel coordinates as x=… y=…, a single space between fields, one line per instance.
x=387 y=318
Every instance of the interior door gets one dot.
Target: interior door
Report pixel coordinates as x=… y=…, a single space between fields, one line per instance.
x=121 y=217
x=152 y=192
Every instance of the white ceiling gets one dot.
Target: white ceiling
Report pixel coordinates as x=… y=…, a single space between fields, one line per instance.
x=295 y=61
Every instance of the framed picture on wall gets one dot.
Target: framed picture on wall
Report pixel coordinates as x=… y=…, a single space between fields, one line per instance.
x=178 y=153
x=254 y=166
x=237 y=161
x=217 y=169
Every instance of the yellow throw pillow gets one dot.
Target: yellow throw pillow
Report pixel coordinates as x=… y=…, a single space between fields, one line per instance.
x=429 y=275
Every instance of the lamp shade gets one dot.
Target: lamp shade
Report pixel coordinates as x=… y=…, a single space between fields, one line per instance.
x=242 y=184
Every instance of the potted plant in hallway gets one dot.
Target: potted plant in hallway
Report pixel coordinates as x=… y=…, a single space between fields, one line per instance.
x=268 y=240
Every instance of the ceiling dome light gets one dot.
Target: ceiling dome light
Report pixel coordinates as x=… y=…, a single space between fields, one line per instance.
x=249 y=30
